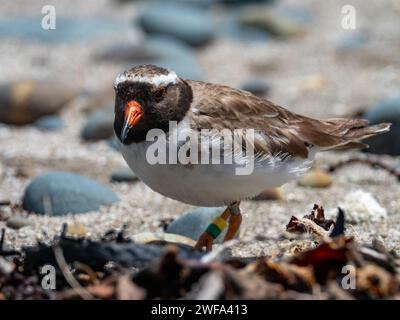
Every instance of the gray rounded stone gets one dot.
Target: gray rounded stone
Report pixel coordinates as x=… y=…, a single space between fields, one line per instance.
x=194 y=223
x=18 y=222
x=99 y=126
x=256 y=87
x=187 y=23
x=49 y=123
x=59 y=193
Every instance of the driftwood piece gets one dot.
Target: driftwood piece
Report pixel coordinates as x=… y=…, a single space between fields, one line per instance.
x=96 y=254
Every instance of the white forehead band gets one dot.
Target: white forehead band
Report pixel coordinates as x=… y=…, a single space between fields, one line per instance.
x=157 y=80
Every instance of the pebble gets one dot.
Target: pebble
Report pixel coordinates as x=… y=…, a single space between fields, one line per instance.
x=60 y=193
x=256 y=87
x=388 y=110
x=270 y=194
x=229 y=27
x=67 y=29
x=315 y=178
x=124 y=175
x=18 y=222
x=354 y=40
x=277 y=25
x=157 y=237
x=161 y=50
x=99 y=126
x=76 y=230
x=49 y=123
x=187 y=23
x=194 y=223
x=26 y=101
x=315 y=82
x=360 y=206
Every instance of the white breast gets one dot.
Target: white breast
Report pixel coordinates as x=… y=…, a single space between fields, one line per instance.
x=210 y=184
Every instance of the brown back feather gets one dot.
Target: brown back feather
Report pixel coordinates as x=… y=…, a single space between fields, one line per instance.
x=280 y=131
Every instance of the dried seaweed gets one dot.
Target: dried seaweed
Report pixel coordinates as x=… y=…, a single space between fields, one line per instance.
x=171 y=272
x=372 y=163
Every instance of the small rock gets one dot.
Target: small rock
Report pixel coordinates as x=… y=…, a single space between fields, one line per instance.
x=26 y=101
x=76 y=230
x=270 y=194
x=187 y=23
x=100 y=99
x=6 y=267
x=99 y=126
x=297 y=14
x=49 y=123
x=152 y=238
x=124 y=175
x=18 y=222
x=194 y=223
x=315 y=82
x=315 y=178
x=257 y=87
x=164 y=51
x=276 y=24
x=360 y=206
x=229 y=27
x=69 y=29
x=387 y=110
x=60 y=193
x=354 y=40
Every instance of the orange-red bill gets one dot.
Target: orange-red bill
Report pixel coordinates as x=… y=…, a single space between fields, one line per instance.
x=133 y=113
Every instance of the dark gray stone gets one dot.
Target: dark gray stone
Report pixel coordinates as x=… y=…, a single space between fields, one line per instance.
x=164 y=51
x=229 y=27
x=387 y=110
x=194 y=223
x=49 y=123
x=187 y=23
x=60 y=193
x=257 y=87
x=99 y=126
x=124 y=175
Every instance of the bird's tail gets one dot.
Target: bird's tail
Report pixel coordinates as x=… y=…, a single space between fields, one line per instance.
x=342 y=133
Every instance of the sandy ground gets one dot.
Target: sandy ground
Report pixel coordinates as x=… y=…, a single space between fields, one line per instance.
x=351 y=82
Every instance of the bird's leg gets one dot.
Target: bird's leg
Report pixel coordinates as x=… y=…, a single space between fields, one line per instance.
x=231 y=213
x=235 y=221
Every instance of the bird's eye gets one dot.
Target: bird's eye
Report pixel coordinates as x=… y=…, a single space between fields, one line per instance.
x=159 y=93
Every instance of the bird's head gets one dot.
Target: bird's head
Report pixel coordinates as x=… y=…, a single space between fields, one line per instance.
x=148 y=97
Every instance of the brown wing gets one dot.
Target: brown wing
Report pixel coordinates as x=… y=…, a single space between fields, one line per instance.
x=279 y=131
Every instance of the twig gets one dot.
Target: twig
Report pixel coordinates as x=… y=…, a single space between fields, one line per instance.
x=84 y=294
x=369 y=162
